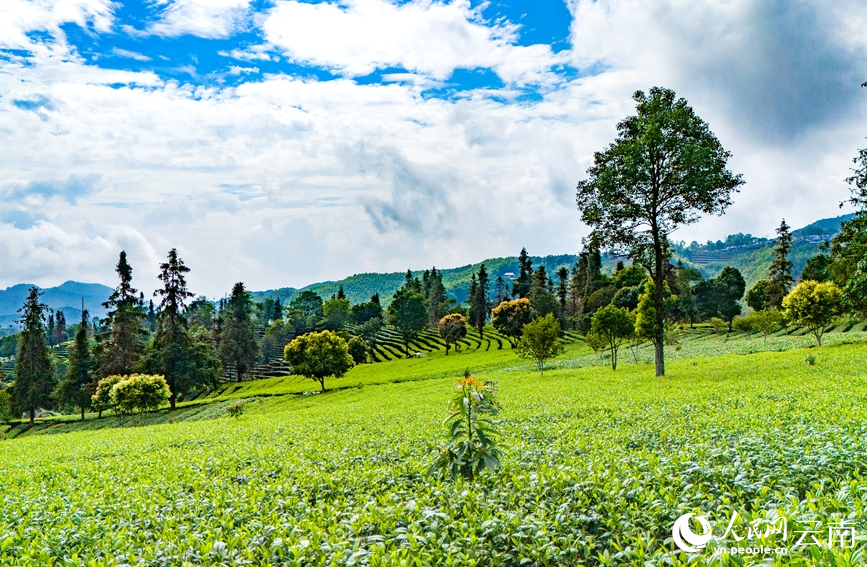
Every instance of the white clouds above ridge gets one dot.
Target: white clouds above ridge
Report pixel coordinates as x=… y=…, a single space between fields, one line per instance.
x=284 y=180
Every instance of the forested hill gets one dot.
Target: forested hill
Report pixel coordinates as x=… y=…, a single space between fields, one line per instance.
x=751 y=255
x=360 y=287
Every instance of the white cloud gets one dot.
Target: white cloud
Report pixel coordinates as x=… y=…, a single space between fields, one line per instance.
x=433 y=38
x=18 y=17
x=202 y=18
x=283 y=181
x=255 y=53
x=130 y=54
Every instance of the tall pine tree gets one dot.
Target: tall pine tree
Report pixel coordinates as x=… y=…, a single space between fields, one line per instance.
x=781 y=279
x=76 y=387
x=239 y=347
x=33 y=369
x=521 y=285
x=171 y=341
x=124 y=342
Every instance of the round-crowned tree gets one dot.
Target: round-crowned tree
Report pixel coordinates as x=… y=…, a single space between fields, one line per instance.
x=813 y=305
x=453 y=328
x=613 y=325
x=509 y=317
x=140 y=393
x=318 y=356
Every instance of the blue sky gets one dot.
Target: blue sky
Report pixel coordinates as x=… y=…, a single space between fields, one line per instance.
x=282 y=142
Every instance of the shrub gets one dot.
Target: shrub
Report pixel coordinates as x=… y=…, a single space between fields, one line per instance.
x=765 y=322
x=539 y=340
x=357 y=350
x=101 y=399
x=140 y=392
x=319 y=355
x=452 y=328
x=236 y=408
x=813 y=305
x=472 y=446
x=719 y=325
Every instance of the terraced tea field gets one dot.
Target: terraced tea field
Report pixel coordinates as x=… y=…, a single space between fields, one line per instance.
x=598 y=466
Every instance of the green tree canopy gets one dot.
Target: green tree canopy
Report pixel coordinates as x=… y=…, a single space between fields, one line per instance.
x=613 y=325
x=813 y=305
x=663 y=170
x=540 y=340
x=318 y=356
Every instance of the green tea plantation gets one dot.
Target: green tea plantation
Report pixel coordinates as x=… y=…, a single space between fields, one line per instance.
x=597 y=466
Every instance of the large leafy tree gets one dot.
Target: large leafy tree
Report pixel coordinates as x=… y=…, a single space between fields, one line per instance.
x=75 y=388
x=318 y=356
x=849 y=248
x=239 y=347
x=33 y=369
x=120 y=354
x=664 y=169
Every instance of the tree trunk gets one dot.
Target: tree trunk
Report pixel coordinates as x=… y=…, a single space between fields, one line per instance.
x=447 y=348
x=172 y=400
x=659 y=280
x=818 y=338
x=82 y=413
x=32 y=417
x=613 y=358
x=238 y=373
x=322 y=383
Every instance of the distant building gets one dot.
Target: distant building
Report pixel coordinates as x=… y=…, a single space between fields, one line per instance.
x=509 y=275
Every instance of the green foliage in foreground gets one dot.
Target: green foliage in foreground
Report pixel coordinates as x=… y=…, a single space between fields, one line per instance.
x=598 y=466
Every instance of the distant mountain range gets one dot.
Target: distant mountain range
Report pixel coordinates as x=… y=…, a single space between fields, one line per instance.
x=66 y=297
x=750 y=255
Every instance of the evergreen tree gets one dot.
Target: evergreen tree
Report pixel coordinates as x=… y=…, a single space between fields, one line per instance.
x=436 y=295
x=76 y=387
x=562 y=282
x=278 y=309
x=521 y=285
x=59 y=334
x=151 y=317
x=781 y=279
x=542 y=299
x=124 y=320
x=49 y=329
x=33 y=369
x=171 y=342
x=340 y=294
x=409 y=314
x=239 y=347
x=478 y=300
x=500 y=293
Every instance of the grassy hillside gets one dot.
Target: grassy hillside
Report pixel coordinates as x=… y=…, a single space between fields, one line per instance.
x=598 y=465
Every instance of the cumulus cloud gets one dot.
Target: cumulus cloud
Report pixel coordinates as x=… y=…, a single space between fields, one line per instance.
x=773 y=68
x=202 y=18
x=130 y=54
x=432 y=38
x=18 y=18
x=284 y=180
